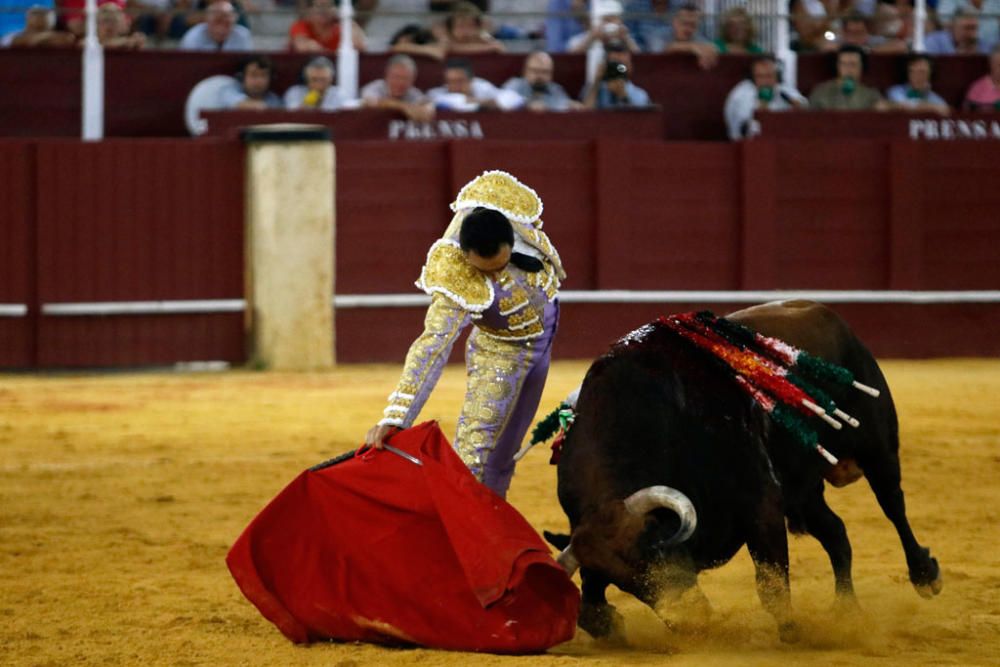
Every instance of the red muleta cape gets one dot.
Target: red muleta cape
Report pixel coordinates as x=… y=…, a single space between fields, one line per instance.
x=379 y=549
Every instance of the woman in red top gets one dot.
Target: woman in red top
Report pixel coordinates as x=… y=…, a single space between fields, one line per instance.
x=319 y=30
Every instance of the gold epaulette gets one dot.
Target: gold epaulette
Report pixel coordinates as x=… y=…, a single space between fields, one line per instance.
x=447 y=272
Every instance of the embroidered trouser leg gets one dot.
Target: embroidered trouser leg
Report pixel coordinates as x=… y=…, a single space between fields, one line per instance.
x=505 y=382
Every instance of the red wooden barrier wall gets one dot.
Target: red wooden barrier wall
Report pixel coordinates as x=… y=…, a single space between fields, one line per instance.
x=17 y=251
x=132 y=221
x=162 y=220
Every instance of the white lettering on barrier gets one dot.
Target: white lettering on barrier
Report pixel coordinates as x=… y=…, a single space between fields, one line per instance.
x=442 y=129
x=948 y=129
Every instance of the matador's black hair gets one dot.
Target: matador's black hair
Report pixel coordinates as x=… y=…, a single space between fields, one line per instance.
x=485 y=230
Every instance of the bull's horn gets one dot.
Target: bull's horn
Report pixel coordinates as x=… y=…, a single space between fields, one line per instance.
x=655 y=497
x=568 y=560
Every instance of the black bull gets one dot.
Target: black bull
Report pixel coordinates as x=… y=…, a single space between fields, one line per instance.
x=655 y=412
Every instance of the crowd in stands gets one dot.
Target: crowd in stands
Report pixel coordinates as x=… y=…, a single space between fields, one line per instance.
x=449 y=30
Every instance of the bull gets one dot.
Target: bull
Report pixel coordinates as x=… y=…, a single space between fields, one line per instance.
x=669 y=469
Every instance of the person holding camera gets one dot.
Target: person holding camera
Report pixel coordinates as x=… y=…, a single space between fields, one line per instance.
x=609 y=28
x=763 y=90
x=616 y=91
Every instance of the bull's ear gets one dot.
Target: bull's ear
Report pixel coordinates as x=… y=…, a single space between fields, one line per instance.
x=559 y=540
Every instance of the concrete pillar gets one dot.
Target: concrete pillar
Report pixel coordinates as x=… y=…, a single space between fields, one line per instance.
x=290 y=246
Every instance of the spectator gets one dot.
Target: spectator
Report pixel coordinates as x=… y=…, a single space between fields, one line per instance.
x=150 y=17
x=962 y=37
x=317 y=92
x=813 y=23
x=650 y=23
x=762 y=90
x=564 y=19
x=319 y=30
x=616 y=91
x=738 y=33
x=113 y=29
x=396 y=90
x=462 y=90
x=186 y=14
x=415 y=40
x=685 y=37
x=984 y=93
x=916 y=93
x=252 y=87
x=854 y=31
x=536 y=87
x=610 y=28
x=846 y=92
x=219 y=32
x=72 y=16
x=989 y=22
x=465 y=33
x=518 y=19
x=39 y=30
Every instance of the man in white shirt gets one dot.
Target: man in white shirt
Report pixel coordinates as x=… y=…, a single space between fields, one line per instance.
x=462 y=90
x=219 y=32
x=761 y=91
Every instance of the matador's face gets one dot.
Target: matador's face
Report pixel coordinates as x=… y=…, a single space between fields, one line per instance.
x=490 y=265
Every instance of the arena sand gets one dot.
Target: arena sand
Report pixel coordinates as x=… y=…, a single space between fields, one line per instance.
x=121 y=494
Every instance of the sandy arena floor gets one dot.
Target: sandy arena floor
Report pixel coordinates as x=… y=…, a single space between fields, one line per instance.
x=121 y=494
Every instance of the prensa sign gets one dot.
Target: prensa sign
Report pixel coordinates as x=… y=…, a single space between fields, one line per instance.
x=946 y=129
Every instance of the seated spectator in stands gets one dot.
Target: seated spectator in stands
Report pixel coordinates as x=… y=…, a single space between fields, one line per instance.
x=396 y=90
x=39 y=30
x=813 y=21
x=113 y=29
x=465 y=33
x=536 y=87
x=71 y=14
x=463 y=90
x=984 y=93
x=252 y=87
x=846 y=92
x=616 y=91
x=989 y=19
x=762 y=90
x=564 y=19
x=962 y=37
x=854 y=31
x=151 y=17
x=317 y=92
x=685 y=37
x=916 y=93
x=517 y=19
x=737 y=33
x=415 y=40
x=649 y=23
x=610 y=28
x=186 y=14
x=319 y=30
x=219 y=32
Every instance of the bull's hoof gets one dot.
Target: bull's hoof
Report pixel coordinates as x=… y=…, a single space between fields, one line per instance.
x=930 y=590
x=789 y=632
x=927 y=579
x=602 y=622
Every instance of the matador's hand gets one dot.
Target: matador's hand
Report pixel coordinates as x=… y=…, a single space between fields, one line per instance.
x=377 y=435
